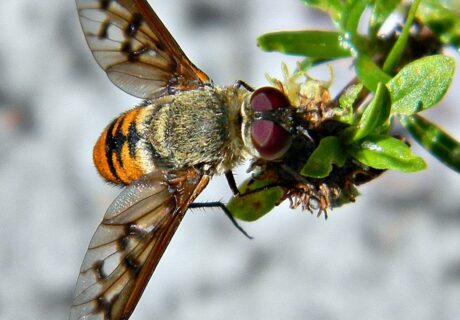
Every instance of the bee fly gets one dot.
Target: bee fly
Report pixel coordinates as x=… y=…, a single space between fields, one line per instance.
x=164 y=152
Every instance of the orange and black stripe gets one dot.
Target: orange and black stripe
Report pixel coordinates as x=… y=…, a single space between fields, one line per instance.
x=115 y=152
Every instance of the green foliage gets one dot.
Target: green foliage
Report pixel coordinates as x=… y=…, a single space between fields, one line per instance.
x=397 y=77
x=252 y=206
x=443 y=17
x=380 y=12
x=370 y=73
x=329 y=152
x=421 y=84
x=375 y=115
x=384 y=152
x=396 y=52
x=332 y=7
x=432 y=138
x=346 y=102
x=324 y=45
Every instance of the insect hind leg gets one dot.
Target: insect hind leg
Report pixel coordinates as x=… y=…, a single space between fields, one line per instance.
x=220 y=205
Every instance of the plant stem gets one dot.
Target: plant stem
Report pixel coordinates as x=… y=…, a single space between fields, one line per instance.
x=396 y=52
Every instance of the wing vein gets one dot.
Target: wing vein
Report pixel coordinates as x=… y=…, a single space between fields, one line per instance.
x=119 y=25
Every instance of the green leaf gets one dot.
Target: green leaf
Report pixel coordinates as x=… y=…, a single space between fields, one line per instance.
x=384 y=152
x=439 y=143
x=443 y=18
x=346 y=103
x=333 y=7
x=354 y=9
x=375 y=114
x=421 y=84
x=304 y=65
x=381 y=11
x=369 y=73
x=346 y=196
x=396 y=52
x=328 y=152
x=349 y=23
x=255 y=205
x=315 y=44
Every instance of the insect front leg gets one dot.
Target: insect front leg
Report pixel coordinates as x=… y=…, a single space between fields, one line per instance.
x=220 y=205
x=232 y=183
x=238 y=194
x=241 y=83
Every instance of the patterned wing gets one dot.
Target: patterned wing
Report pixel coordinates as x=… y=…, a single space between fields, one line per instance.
x=128 y=244
x=136 y=50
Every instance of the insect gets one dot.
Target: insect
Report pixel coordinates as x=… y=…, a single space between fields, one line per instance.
x=164 y=151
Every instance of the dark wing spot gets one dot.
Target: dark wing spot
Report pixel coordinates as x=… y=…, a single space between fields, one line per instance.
x=159 y=46
x=98 y=269
x=103 y=31
x=136 y=231
x=134 y=25
x=105 y=306
x=132 y=264
x=126 y=47
x=124 y=242
x=131 y=55
x=104 y=4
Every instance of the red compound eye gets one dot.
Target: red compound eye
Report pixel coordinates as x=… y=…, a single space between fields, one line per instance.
x=270 y=139
x=268 y=98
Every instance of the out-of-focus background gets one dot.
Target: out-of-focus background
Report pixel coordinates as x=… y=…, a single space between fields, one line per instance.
x=394 y=254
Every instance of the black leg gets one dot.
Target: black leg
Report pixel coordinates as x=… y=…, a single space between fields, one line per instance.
x=220 y=205
x=232 y=183
x=264 y=188
x=241 y=83
x=236 y=192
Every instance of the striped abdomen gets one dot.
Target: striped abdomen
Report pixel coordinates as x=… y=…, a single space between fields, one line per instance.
x=117 y=153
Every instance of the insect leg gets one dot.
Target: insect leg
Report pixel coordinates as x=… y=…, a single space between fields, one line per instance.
x=232 y=183
x=236 y=192
x=220 y=205
x=261 y=189
x=241 y=83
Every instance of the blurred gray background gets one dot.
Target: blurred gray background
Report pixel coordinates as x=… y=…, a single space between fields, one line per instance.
x=394 y=254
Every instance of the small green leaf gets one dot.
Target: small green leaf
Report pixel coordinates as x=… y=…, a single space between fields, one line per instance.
x=384 y=152
x=396 y=52
x=369 y=73
x=255 y=205
x=375 y=114
x=315 y=44
x=439 y=143
x=443 y=18
x=304 y=65
x=349 y=23
x=346 y=196
x=346 y=103
x=381 y=11
x=333 y=7
x=421 y=84
x=328 y=152
x=354 y=9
